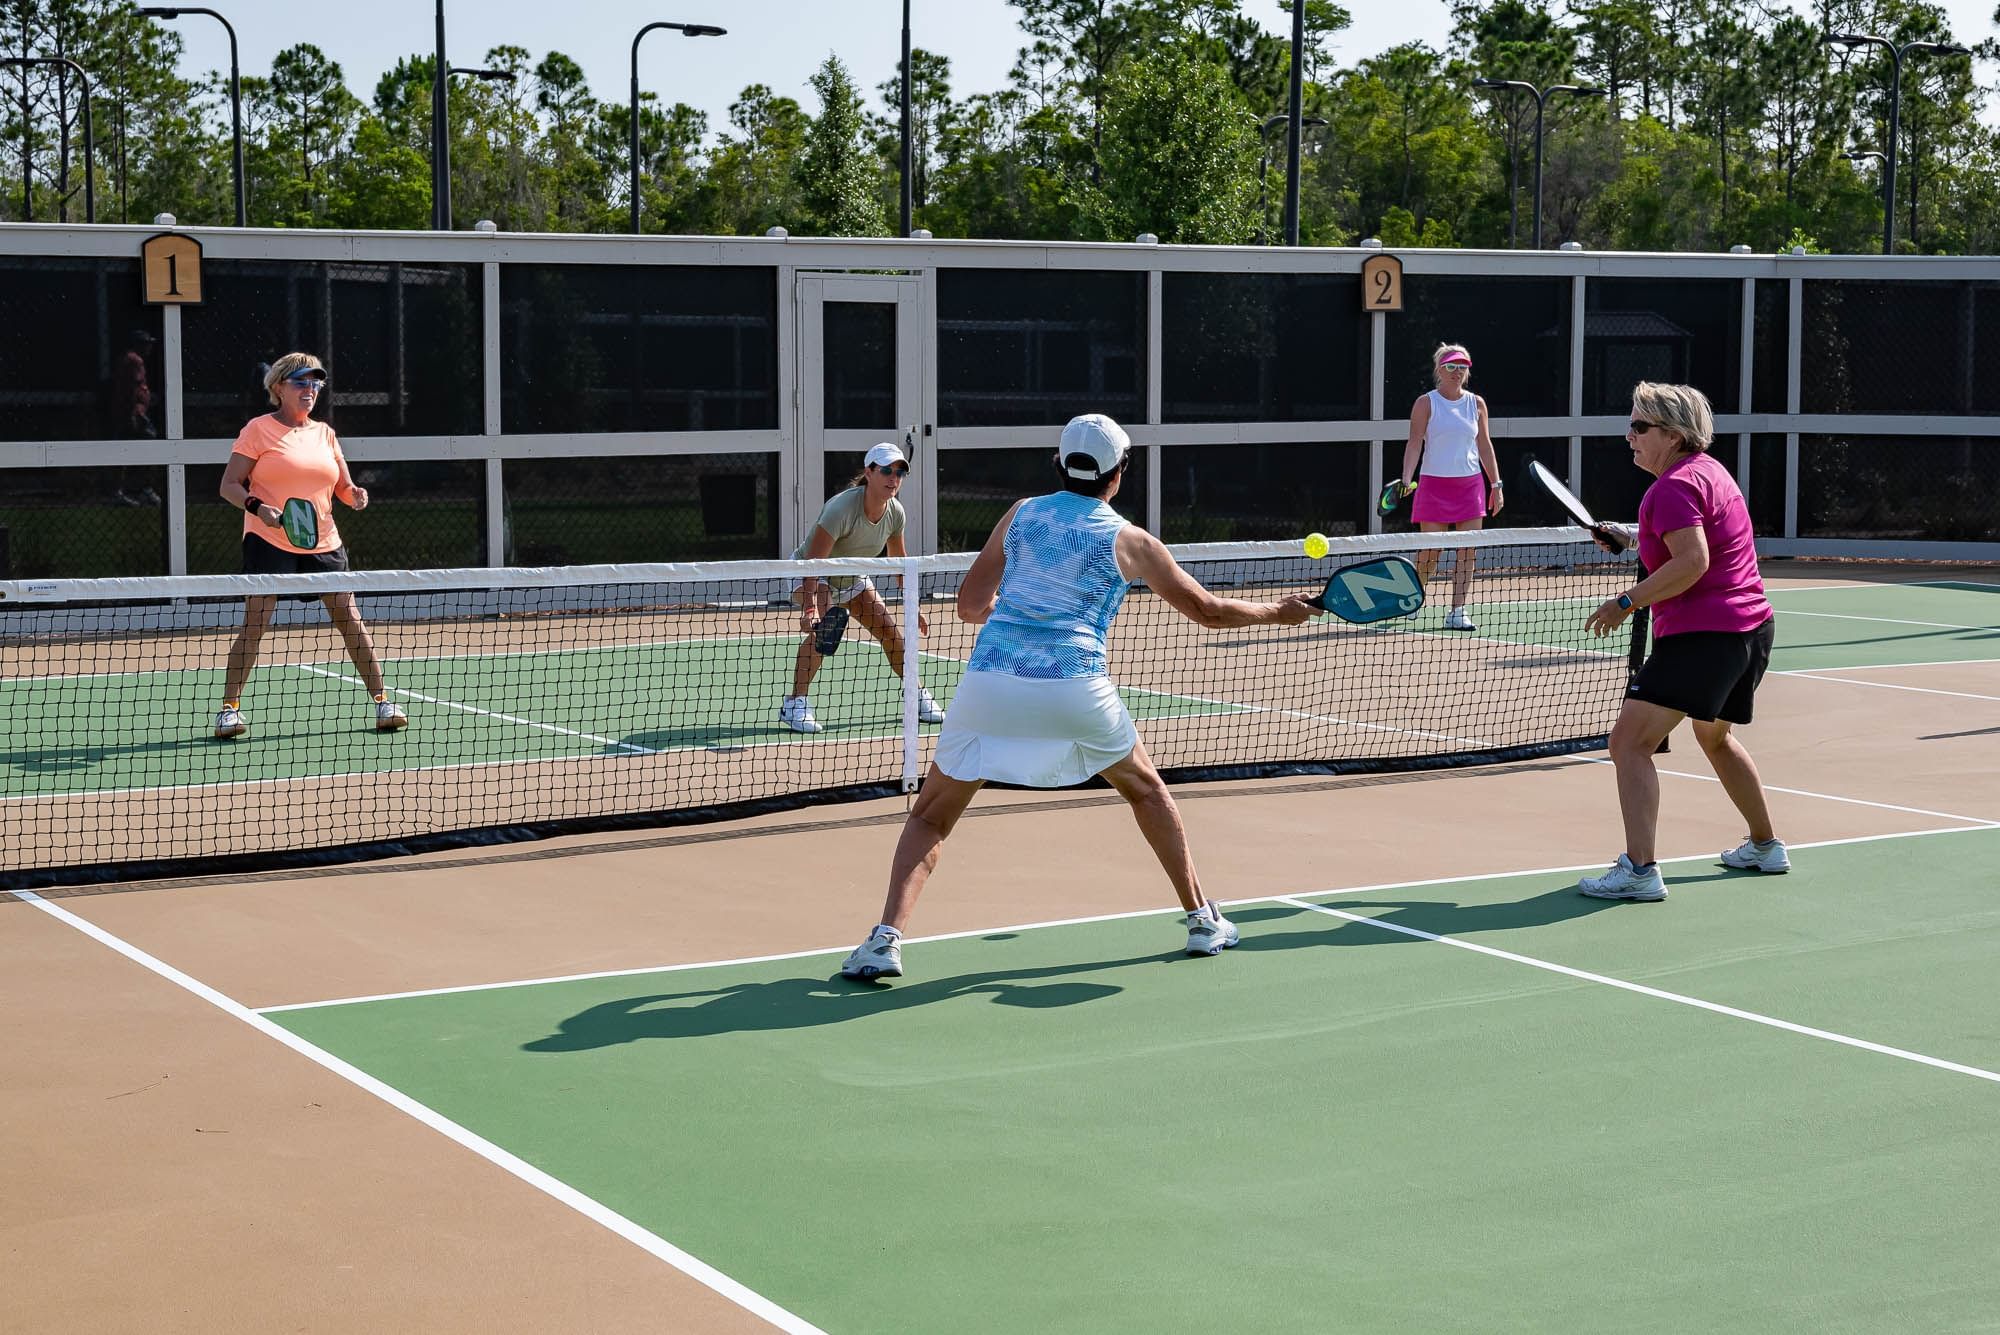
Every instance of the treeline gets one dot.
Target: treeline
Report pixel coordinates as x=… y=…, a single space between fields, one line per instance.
x=1723 y=122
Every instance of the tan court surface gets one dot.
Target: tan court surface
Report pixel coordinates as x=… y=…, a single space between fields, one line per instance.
x=168 y=1167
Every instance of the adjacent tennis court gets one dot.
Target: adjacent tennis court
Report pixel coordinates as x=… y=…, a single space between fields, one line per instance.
x=611 y=1083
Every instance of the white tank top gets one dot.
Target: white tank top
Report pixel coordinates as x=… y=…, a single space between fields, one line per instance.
x=1451 y=441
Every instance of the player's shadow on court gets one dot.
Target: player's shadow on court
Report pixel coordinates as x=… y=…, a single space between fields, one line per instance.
x=803 y=1003
x=1438 y=917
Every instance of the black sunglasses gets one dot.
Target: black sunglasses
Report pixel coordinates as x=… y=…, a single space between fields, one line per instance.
x=893 y=470
x=1640 y=428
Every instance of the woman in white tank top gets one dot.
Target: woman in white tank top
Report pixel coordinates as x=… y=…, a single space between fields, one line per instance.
x=1460 y=484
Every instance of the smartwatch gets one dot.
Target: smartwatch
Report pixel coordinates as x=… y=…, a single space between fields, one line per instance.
x=1625 y=602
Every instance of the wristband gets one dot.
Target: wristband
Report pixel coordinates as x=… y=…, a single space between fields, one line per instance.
x=250 y=503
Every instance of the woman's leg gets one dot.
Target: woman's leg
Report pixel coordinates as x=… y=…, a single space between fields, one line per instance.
x=257 y=614
x=1140 y=784
x=1462 y=561
x=354 y=632
x=1427 y=561
x=807 y=664
x=805 y=667
x=1637 y=734
x=1739 y=776
x=939 y=804
x=875 y=617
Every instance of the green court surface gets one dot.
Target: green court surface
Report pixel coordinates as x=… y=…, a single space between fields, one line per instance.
x=1879 y=625
x=113 y=731
x=1334 y=1127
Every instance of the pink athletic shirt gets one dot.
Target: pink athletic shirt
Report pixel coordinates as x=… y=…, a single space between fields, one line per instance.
x=1698 y=491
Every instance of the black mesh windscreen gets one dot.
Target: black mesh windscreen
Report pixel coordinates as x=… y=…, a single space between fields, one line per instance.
x=1772 y=336
x=1909 y=347
x=1247 y=493
x=1263 y=348
x=693 y=507
x=590 y=347
x=82 y=523
x=1678 y=331
x=79 y=351
x=1037 y=348
x=421 y=515
x=858 y=377
x=401 y=344
x=1517 y=330
x=975 y=487
x=1767 y=485
x=1915 y=488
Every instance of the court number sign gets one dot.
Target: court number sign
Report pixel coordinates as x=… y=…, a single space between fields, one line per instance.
x=1381 y=283
x=172 y=266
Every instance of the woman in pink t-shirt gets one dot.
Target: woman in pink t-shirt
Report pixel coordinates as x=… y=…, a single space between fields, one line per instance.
x=286 y=460
x=1712 y=633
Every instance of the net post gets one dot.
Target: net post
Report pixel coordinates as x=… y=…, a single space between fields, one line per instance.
x=912 y=606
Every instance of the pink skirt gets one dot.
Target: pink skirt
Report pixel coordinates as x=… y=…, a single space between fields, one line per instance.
x=1449 y=500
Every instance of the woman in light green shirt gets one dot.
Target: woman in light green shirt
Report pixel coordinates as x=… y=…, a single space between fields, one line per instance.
x=864 y=520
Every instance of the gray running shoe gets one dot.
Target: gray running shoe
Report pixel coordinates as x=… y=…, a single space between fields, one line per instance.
x=1753 y=856
x=1625 y=881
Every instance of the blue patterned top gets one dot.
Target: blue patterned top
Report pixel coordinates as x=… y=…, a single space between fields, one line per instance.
x=1058 y=593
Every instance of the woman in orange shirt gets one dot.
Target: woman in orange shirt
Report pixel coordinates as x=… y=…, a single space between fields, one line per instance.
x=286 y=461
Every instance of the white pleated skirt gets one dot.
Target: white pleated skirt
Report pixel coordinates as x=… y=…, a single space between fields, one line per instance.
x=1040 y=733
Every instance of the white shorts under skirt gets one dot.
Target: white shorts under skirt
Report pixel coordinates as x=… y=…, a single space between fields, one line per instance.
x=1034 y=732
x=841 y=597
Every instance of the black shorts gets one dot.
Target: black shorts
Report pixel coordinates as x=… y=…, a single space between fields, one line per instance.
x=262 y=558
x=1706 y=674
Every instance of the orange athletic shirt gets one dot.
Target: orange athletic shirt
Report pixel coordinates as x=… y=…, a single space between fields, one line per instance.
x=302 y=461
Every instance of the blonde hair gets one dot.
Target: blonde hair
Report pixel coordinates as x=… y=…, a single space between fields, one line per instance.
x=287 y=366
x=1680 y=409
x=1445 y=349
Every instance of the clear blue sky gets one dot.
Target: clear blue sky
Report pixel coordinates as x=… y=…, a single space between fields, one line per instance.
x=776 y=42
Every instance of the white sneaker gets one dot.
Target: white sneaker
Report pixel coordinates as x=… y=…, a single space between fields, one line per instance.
x=928 y=710
x=880 y=956
x=796 y=713
x=229 y=722
x=1625 y=881
x=1210 y=935
x=389 y=716
x=1457 y=619
x=1753 y=856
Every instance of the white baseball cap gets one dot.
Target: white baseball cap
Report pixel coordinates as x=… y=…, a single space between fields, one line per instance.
x=884 y=454
x=1095 y=435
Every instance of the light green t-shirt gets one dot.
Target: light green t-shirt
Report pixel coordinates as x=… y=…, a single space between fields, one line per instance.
x=846 y=518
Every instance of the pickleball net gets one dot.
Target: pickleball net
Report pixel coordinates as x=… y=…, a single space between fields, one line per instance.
x=571 y=699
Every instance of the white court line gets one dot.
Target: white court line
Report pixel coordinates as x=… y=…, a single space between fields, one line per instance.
x=650 y=970
x=1815 y=675
x=1886 y=621
x=695 y=1269
x=488 y=713
x=1824 y=797
x=1660 y=994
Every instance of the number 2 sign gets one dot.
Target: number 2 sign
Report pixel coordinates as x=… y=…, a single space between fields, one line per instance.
x=1381 y=283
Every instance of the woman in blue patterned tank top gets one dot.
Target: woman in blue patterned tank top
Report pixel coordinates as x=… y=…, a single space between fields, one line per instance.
x=1036 y=705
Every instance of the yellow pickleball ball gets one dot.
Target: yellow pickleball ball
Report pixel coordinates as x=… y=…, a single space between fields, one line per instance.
x=1316 y=545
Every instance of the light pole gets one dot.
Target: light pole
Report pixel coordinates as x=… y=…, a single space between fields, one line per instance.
x=89 y=136
x=907 y=195
x=1294 y=135
x=1541 y=96
x=1264 y=167
x=1852 y=40
x=686 y=30
x=235 y=97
